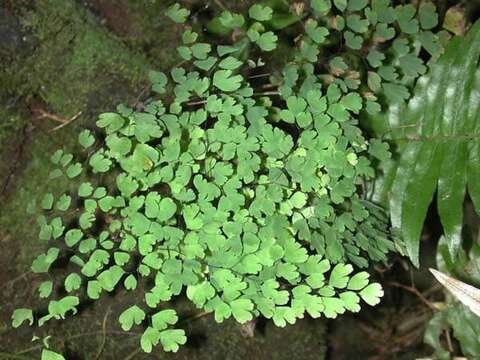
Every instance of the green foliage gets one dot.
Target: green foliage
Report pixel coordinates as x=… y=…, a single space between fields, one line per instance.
x=177 y=13
x=51 y=355
x=438 y=146
x=391 y=37
x=249 y=201
x=21 y=315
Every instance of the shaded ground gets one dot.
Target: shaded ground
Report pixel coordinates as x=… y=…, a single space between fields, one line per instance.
x=64 y=59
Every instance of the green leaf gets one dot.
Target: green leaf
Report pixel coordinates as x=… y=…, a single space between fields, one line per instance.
x=47 y=202
x=171 y=339
x=94 y=289
x=357 y=24
x=267 y=41
x=19 y=316
x=451 y=192
x=190 y=215
x=230 y=63
x=85 y=189
x=379 y=150
x=74 y=170
x=424 y=166
x=333 y=307
x=86 y=220
x=222 y=312
x=206 y=64
x=58 y=309
x=395 y=93
x=130 y=282
x=383 y=33
x=223 y=80
x=51 y=355
x=200 y=51
x=54 y=174
x=353 y=41
x=340 y=4
x=99 y=163
x=316 y=33
x=436 y=326
x=66 y=159
x=405 y=16
x=352 y=102
x=73 y=282
x=372 y=294
x=428 y=15
x=200 y=293
x=63 y=203
x=358 y=281
x=45 y=289
x=350 y=301
x=230 y=20
x=86 y=139
x=299 y=200
x=177 y=13
x=149 y=339
x=189 y=37
x=357 y=5
x=282 y=315
x=111 y=122
x=42 y=263
x=281 y=21
x=241 y=310
x=340 y=276
x=108 y=279
x=167 y=208
x=412 y=65
x=321 y=6
x=73 y=236
x=162 y=319
x=374 y=81
x=57 y=155
x=159 y=81
x=260 y=13
x=130 y=316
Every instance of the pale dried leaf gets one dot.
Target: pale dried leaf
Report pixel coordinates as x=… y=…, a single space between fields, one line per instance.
x=466 y=294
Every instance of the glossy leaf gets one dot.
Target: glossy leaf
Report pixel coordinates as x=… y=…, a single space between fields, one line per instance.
x=436 y=151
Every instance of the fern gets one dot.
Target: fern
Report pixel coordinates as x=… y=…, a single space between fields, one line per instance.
x=437 y=145
x=250 y=201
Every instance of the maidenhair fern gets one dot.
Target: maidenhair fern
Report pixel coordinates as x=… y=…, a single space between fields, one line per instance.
x=250 y=201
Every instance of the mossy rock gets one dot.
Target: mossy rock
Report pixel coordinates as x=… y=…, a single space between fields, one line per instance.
x=68 y=64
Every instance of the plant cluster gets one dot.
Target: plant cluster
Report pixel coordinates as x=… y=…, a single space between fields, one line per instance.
x=442 y=152
x=249 y=200
x=438 y=151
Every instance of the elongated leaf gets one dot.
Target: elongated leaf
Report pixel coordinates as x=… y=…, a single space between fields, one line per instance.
x=473 y=166
x=436 y=146
x=451 y=193
x=419 y=194
x=452 y=182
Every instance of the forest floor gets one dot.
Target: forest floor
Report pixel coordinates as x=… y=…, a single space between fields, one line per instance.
x=62 y=63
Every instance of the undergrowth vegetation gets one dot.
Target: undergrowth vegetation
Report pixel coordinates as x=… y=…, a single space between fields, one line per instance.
x=245 y=183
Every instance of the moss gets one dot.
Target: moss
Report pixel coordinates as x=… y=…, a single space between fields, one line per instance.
x=73 y=65
x=76 y=57
x=142 y=26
